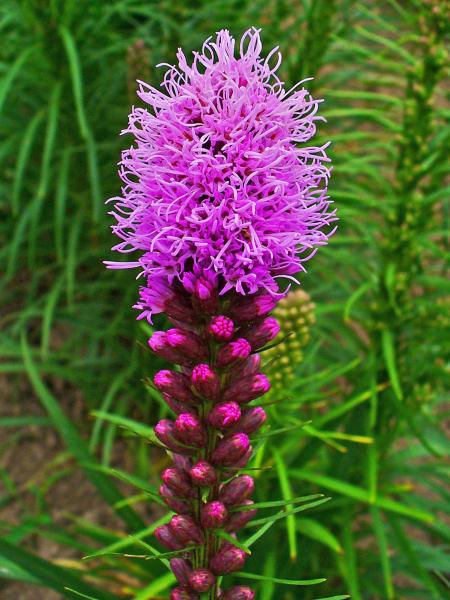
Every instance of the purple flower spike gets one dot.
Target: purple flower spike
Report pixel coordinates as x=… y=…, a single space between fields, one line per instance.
x=175 y=384
x=178 y=481
x=238 y=592
x=224 y=414
x=213 y=515
x=186 y=530
x=182 y=569
x=227 y=559
x=167 y=538
x=203 y=474
x=183 y=593
x=201 y=580
x=263 y=333
x=206 y=381
x=236 y=491
x=230 y=131
x=248 y=389
x=190 y=430
x=251 y=420
x=238 y=520
x=233 y=352
x=230 y=449
x=221 y=198
x=221 y=328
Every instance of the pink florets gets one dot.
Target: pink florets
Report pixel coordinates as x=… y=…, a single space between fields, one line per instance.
x=221 y=328
x=219 y=177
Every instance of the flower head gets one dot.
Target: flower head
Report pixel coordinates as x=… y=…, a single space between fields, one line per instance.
x=219 y=180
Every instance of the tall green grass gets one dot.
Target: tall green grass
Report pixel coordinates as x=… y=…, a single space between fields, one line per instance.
x=372 y=381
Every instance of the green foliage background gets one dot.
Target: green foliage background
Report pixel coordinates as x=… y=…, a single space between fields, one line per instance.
x=372 y=380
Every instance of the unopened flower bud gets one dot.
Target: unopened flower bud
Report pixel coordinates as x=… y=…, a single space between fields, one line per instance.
x=165 y=432
x=224 y=414
x=177 y=345
x=182 y=462
x=201 y=580
x=175 y=384
x=221 y=328
x=250 y=366
x=233 y=352
x=166 y=537
x=227 y=559
x=238 y=592
x=203 y=288
x=177 y=406
x=178 y=481
x=230 y=449
x=181 y=568
x=242 y=462
x=252 y=307
x=237 y=490
x=251 y=420
x=262 y=333
x=247 y=389
x=186 y=342
x=185 y=529
x=206 y=381
x=213 y=515
x=183 y=593
x=178 y=505
x=203 y=474
x=239 y=519
x=190 y=430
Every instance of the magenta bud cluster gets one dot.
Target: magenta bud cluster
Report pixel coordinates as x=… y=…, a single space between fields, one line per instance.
x=211 y=394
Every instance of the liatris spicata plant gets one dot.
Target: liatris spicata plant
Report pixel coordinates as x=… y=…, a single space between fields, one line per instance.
x=221 y=198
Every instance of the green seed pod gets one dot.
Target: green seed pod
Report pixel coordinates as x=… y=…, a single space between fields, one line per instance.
x=295 y=314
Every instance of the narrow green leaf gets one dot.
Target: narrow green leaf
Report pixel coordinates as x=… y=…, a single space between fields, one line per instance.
x=22 y=159
x=80 y=595
x=277 y=580
x=387 y=341
x=351 y=568
x=226 y=536
x=137 y=482
x=12 y=72
x=275 y=503
x=48 y=315
x=134 y=426
x=86 y=133
x=316 y=531
x=23 y=421
x=378 y=527
x=286 y=491
x=160 y=584
x=362 y=495
x=284 y=514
